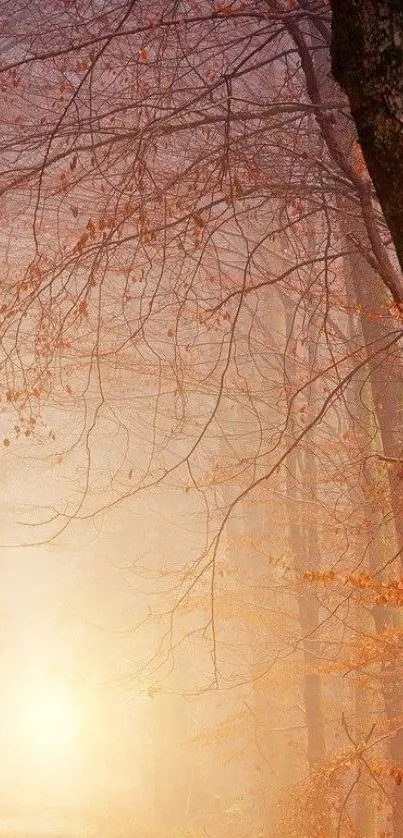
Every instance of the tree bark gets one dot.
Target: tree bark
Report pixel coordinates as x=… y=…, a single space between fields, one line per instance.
x=367 y=61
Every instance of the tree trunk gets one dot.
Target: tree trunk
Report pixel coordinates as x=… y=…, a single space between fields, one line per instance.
x=304 y=546
x=171 y=761
x=276 y=772
x=367 y=61
x=301 y=535
x=385 y=376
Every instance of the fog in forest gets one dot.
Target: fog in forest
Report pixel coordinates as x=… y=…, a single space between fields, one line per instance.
x=200 y=430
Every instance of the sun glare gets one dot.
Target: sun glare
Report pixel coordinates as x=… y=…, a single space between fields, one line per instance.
x=48 y=718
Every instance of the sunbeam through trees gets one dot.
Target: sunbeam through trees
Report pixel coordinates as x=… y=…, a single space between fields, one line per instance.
x=201 y=418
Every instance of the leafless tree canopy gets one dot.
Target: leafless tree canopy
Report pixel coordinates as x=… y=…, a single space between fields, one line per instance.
x=201 y=297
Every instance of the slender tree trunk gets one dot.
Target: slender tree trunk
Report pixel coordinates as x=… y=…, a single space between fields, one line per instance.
x=304 y=546
x=303 y=536
x=385 y=376
x=171 y=760
x=246 y=531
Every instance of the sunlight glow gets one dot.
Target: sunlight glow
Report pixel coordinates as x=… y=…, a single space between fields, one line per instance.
x=48 y=718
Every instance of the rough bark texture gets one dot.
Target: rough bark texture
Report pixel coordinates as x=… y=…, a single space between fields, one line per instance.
x=367 y=61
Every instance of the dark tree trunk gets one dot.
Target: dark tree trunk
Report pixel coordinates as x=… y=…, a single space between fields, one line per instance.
x=367 y=61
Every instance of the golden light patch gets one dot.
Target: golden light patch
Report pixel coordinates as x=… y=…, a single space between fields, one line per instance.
x=48 y=718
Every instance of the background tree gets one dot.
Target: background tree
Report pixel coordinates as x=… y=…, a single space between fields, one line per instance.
x=162 y=203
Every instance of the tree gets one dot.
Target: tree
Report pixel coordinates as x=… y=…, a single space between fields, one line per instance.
x=367 y=61
x=172 y=174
